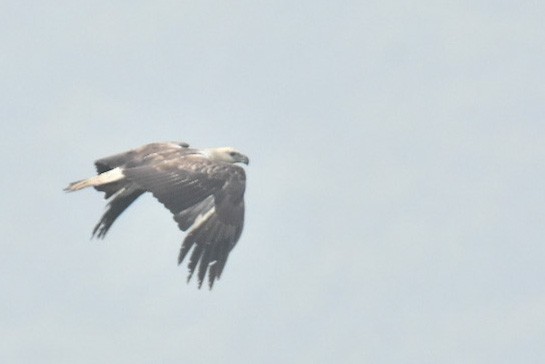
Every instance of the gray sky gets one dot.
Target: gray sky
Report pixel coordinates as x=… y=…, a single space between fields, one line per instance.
x=395 y=198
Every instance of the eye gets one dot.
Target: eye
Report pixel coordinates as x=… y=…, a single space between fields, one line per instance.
x=232 y=154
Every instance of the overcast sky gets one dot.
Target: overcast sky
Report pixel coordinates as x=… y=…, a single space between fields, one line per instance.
x=395 y=195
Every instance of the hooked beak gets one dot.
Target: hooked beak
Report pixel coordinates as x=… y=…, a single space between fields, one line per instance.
x=244 y=159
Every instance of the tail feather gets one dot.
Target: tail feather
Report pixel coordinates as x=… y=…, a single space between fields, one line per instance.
x=107 y=177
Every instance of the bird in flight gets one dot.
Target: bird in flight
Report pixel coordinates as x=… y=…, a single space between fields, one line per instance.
x=202 y=188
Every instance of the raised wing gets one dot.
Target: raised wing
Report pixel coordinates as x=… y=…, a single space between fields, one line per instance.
x=125 y=192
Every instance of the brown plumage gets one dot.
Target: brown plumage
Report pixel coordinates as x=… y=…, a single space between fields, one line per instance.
x=203 y=189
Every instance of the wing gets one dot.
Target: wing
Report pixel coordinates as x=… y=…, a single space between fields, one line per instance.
x=125 y=192
x=122 y=199
x=139 y=156
x=205 y=196
x=215 y=234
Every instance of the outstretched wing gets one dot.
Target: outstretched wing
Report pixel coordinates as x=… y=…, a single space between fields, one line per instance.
x=206 y=197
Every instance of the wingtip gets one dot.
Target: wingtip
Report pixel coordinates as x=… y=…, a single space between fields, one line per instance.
x=210 y=283
x=199 y=281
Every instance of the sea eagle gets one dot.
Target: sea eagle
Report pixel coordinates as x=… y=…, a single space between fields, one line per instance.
x=202 y=188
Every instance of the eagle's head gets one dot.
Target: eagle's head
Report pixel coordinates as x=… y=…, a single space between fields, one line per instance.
x=226 y=154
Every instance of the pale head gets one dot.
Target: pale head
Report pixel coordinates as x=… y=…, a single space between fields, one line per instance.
x=226 y=154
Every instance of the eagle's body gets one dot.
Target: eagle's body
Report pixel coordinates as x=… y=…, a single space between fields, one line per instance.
x=203 y=189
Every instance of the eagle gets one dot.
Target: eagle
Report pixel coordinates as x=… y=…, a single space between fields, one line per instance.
x=202 y=188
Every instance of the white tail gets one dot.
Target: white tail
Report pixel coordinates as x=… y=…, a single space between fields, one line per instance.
x=107 y=177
